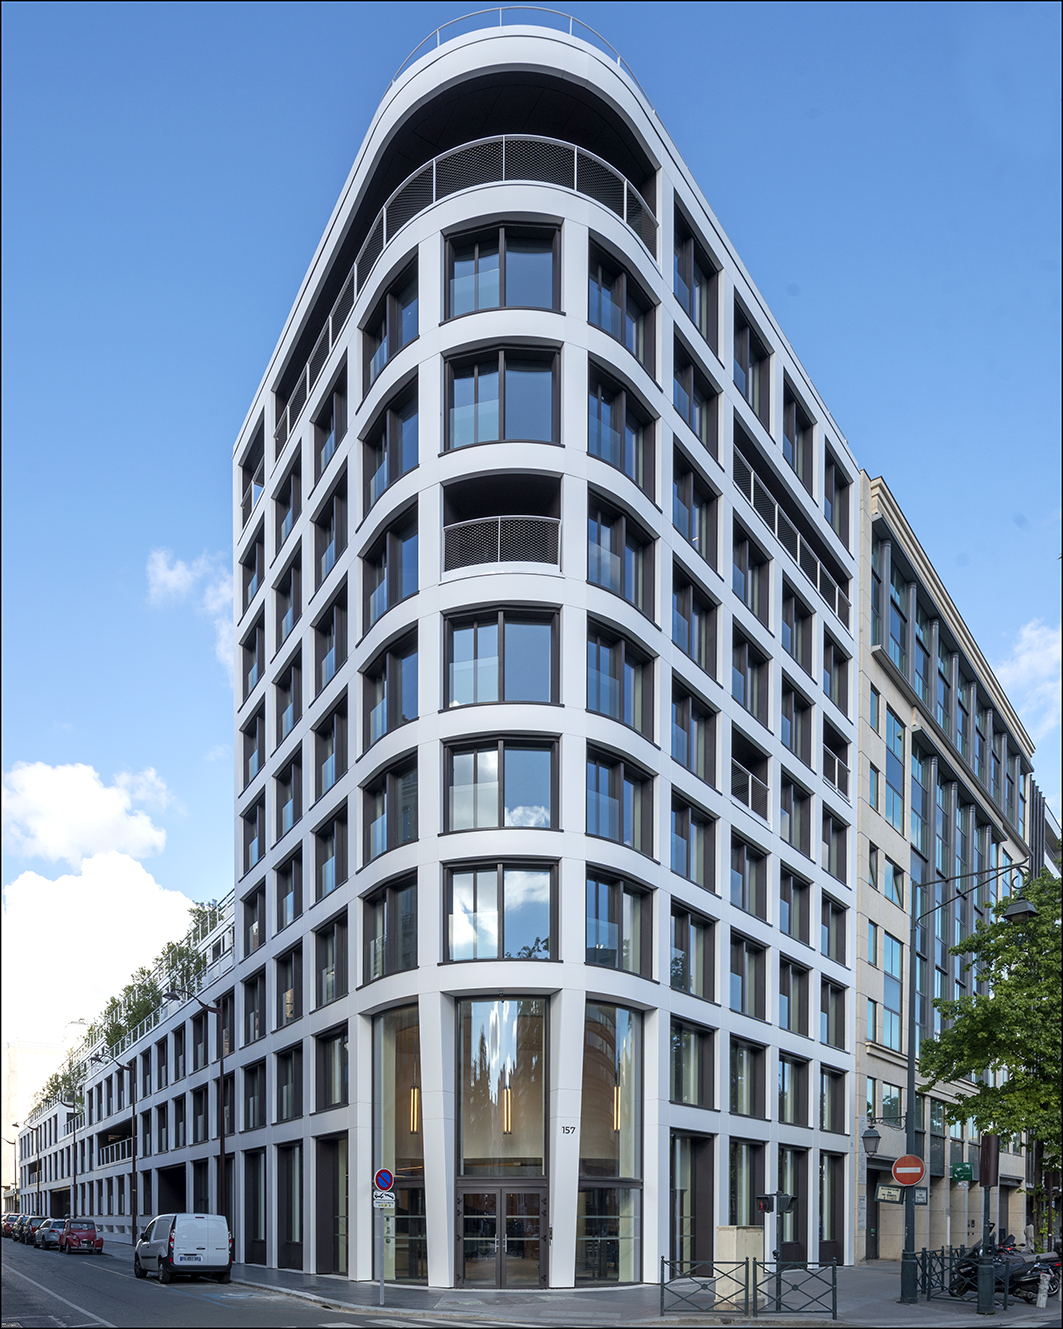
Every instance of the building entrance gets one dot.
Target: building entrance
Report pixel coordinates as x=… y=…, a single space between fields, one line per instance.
x=501 y=1241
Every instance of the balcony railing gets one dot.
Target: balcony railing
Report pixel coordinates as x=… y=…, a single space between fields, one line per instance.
x=510 y=157
x=749 y=789
x=835 y=772
x=501 y=540
x=114 y=1153
x=779 y=524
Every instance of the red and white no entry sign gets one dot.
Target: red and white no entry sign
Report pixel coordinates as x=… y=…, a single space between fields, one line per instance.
x=909 y=1170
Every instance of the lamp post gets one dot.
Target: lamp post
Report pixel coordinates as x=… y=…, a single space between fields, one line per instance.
x=1019 y=909
x=214 y=1010
x=103 y=1057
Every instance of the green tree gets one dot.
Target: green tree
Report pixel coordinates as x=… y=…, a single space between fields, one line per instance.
x=1008 y=1040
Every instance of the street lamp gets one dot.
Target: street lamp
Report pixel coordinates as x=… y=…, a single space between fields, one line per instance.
x=214 y=1010
x=871 y=1140
x=1019 y=909
x=103 y=1057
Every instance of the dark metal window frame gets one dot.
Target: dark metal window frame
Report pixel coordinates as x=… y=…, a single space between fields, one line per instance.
x=682 y=919
x=501 y=865
x=684 y=815
x=625 y=886
x=330 y=421
x=619 y=769
x=601 y=384
x=382 y=438
x=388 y=662
x=383 y=559
x=387 y=314
x=798 y=428
x=517 y=231
x=394 y=948
x=293 y=957
x=607 y=516
x=794 y=986
x=689 y=377
x=688 y=596
x=539 y=741
x=622 y=287
x=514 y=614
x=387 y=781
x=702 y=1089
x=604 y=636
x=545 y=354
x=695 y=493
x=684 y=706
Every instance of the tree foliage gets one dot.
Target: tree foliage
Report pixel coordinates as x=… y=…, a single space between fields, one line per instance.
x=1010 y=1036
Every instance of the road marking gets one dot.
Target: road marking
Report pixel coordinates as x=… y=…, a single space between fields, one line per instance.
x=73 y=1306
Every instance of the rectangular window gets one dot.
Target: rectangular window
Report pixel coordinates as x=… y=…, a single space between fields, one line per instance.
x=693 y=622
x=875 y=709
x=747 y=977
x=254 y=740
x=793 y=906
x=253 y=474
x=199 y=1115
x=748 y=872
x=330 y=425
x=290 y=1084
x=504 y=783
x=619 y=680
x=389 y=571
x=332 y=1070
x=891 y=1106
x=619 y=430
x=331 y=843
x=690 y=1065
x=797 y=629
x=391 y=326
x=618 y=925
x=330 y=533
x=797 y=437
x=389 y=687
x=872 y=943
x=872 y=1022
x=252 y=567
x=832 y=930
x=254 y=824
x=390 y=449
x=255 y=1008
x=836 y=674
x=507 y=395
x=694 y=281
x=749 y=678
x=290 y=987
x=874 y=787
x=331 y=638
x=943 y=700
x=832 y=1015
x=747 y=1079
x=330 y=943
x=389 y=930
x=289 y=891
x=833 y=855
x=692 y=947
x=617 y=305
x=255 y=1096
x=253 y=650
x=289 y=601
x=793 y=1091
x=290 y=699
x=796 y=723
x=500 y=911
x=693 y=844
x=619 y=556
x=515 y=267
x=749 y=575
x=504 y=655
x=619 y=801
x=832 y=1101
x=286 y=504
x=695 y=400
x=254 y=920
x=893 y=882
x=693 y=508
x=898 y=646
x=289 y=787
x=836 y=499
x=693 y=735
x=892 y=960
x=894 y=771
x=752 y=368
x=795 y=818
x=793 y=997
x=390 y=810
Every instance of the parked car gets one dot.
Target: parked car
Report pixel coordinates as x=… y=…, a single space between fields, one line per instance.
x=80 y=1234
x=8 y=1227
x=28 y=1228
x=47 y=1235
x=185 y=1244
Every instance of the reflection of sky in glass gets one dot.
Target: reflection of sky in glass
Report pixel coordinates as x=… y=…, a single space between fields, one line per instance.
x=527 y=776
x=527 y=913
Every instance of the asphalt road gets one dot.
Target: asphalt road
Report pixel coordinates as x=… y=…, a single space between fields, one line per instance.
x=46 y=1290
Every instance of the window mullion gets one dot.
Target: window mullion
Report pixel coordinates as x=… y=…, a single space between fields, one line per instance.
x=501 y=391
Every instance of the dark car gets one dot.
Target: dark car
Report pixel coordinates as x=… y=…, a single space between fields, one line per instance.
x=47 y=1235
x=80 y=1234
x=28 y=1228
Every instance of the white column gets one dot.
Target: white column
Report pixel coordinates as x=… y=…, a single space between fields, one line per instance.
x=437 y=1032
x=566 y=1091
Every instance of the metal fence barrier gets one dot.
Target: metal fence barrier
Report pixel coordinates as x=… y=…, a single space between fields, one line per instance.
x=939 y=1277
x=796 y=1287
x=705 y=1286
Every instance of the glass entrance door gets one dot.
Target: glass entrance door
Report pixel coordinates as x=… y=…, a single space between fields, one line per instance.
x=501 y=1237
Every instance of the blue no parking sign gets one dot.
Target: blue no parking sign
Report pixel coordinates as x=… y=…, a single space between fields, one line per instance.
x=384 y=1179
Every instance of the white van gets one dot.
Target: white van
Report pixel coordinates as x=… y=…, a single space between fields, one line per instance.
x=185 y=1244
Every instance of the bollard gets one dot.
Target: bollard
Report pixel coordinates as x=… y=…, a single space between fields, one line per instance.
x=1042 y=1292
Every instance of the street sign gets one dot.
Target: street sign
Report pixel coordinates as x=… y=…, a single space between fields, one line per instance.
x=909 y=1170
x=384 y=1179
x=383 y=1199
x=889 y=1194
x=922 y=1194
x=963 y=1172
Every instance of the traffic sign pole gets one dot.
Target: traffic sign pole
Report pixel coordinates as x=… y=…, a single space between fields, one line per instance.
x=382 y=1181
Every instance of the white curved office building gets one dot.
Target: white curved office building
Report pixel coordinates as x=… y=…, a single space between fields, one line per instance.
x=545 y=711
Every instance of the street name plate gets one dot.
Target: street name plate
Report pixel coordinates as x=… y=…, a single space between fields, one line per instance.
x=889 y=1194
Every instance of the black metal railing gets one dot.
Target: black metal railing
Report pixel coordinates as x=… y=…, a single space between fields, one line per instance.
x=940 y=1277
x=705 y=1286
x=797 y=1287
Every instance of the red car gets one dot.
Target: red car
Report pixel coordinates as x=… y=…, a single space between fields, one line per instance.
x=79 y=1234
x=9 y=1224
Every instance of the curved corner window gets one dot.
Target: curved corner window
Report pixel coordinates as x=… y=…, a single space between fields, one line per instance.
x=504 y=396
x=511 y=266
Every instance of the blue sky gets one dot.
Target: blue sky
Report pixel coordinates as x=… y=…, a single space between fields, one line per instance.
x=888 y=173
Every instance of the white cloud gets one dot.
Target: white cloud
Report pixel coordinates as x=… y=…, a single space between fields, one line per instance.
x=67 y=812
x=72 y=943
x=172 y=580
x=1031 y=677
x=220 y=752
